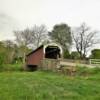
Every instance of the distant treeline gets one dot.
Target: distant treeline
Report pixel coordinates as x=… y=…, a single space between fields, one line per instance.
x=11 y=53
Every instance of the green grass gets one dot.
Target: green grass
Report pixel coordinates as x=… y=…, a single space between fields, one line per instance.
x=11 y=67
x=48 y=86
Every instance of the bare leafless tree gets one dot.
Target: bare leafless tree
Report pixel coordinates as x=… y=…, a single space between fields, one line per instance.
x=84 y=38
x=23 y=37
x=34 y=36
x=30 y=37
x=39 y=35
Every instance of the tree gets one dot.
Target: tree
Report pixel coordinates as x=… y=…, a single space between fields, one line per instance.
x=2 y=54
x=61 y=34
x=66 y=54
x=95 y=54
x=23 y=37
x=2 y=48
x=30 y=37
x=75 y=55
x=6 y=51
x=39 y=35
x=9 y=50
x=84 y=39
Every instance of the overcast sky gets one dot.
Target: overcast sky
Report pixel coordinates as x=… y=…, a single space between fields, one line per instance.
x=19 y=14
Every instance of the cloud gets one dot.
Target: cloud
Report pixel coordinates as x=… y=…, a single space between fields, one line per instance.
x=7 y=25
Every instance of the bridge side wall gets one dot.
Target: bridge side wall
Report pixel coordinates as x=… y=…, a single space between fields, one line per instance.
x=49 y=64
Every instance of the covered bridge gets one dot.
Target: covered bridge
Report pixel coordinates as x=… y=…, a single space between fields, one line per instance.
x=49 y=51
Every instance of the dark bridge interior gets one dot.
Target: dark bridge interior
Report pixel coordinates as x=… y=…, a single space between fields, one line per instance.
x=52 y=52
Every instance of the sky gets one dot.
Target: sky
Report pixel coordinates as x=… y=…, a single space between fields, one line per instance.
x=20 y=14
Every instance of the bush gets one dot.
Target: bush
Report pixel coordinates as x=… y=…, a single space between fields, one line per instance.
x=11 y=67
x=82 y=70
x=2 y=58
x=66 y=54
x=75 y=55
x=95 y=54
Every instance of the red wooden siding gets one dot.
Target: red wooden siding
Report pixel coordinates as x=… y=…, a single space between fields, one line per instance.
x=35 y=58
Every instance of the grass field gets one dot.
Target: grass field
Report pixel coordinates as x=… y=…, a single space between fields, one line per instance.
x=48 y=86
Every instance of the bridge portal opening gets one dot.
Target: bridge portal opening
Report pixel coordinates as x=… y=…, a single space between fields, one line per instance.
x=52 y=52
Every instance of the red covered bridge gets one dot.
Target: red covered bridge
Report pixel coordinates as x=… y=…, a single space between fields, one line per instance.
x=50 y=51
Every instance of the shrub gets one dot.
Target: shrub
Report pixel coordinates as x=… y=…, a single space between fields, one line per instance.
x=75 y=55
x=11 y=67
x=2 y=58
x=82 y=70
x=95 y=54
x=66 y=54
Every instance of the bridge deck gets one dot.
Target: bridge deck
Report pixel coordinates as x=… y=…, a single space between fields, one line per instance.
x=64 y=63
